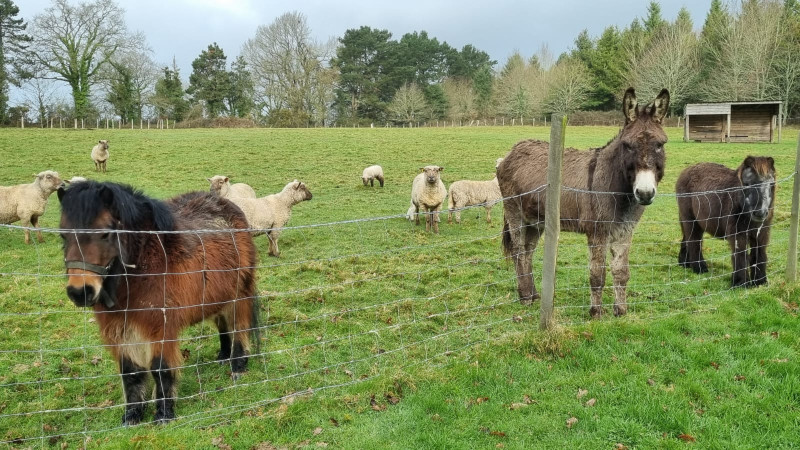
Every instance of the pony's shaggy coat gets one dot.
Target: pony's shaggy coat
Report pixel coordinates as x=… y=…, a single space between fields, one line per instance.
x=603 y=196
x=735 y=205
x=159 y=281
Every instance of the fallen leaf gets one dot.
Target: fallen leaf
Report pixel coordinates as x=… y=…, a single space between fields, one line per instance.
x=727 y=336
x=91 y=320
x=571 y=421
x=436 y=418
x=317 y=431
x=526 y=399
x=480 y=400
x=581 y=393
x=104 y=404
x=185 y=353
x=515 y=406
x=686 y=437
x=500 y=445
x=348 y=373
x=775 y=334
x=498 y=434
x=96 y=360
x=620 y=446
x=591 y=402
x=375 y=405
x=334 y=422
x=391 y=398
x=650 y=381
x=714 y=365
x=739 y=378
x=516 y=319
x=682 y=371
x=322 y=444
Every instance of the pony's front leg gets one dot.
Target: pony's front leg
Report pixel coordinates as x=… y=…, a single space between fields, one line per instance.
x=738 y=244
x=597 y=274
x=165 y=376
x=758 y=257
x=620 y=270
x=134 y=385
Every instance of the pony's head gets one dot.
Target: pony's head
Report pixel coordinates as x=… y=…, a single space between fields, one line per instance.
x=642 y=142
x=757 y=175
x=96 y=254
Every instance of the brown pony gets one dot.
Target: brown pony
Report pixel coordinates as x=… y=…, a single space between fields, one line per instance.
x=604 y=194
x=735 y=205
x=130 y=259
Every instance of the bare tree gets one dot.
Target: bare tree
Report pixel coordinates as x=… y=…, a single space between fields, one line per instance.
x=135 y=71
x=73 y=43
x=461 y=99
x=520 y=88
x=408 y=103
x=671 y=61
x=568 y=86
x=40 y=92
x=288 y=66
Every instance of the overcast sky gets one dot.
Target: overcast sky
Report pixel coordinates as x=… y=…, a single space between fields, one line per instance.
x=183 y=28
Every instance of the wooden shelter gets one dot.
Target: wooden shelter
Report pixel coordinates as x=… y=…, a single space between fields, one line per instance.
x=733 y=122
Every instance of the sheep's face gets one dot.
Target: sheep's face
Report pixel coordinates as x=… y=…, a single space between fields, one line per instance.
x=431 y=173
x=497 y=163
x=365 y=180
x=104 y=143
x=49 y=181
x=217 y=182
x=301 y=191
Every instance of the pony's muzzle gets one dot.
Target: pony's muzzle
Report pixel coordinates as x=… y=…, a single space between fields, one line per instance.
x=84 y=295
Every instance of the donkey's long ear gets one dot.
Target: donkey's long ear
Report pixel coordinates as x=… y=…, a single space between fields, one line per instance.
x=629 y=105
x=660 y=106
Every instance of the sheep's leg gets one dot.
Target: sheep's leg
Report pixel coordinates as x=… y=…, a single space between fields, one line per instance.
x=435 y=216
x=488 y=213
x=26 y=222
x=273 y=243
x=620 y=270
x=35 y=223
x=380 y=180
x=416 y=214
x=598 y=246
x=372 y=182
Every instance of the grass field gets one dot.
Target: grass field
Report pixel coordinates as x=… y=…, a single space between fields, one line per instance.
x=377 y=334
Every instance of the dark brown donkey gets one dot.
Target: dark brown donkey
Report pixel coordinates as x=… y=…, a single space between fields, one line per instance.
x=605 y=192
x=735 y=205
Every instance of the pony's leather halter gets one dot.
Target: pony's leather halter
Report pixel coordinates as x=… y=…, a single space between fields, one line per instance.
x=89 y=267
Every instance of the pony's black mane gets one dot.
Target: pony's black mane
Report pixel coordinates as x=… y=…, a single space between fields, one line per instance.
x=82 y=202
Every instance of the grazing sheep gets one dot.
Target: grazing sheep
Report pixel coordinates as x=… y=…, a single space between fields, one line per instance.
x=428 y=193
x=372 y=173
x=100 y=155
x=26 y=202
x=221 y=185
x=465 y=193
x=271 y=213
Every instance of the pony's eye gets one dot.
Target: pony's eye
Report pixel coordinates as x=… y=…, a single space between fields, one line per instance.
x=105 y=236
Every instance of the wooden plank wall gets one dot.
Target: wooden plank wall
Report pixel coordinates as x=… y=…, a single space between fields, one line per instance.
x=707 y=128
x=751 y=123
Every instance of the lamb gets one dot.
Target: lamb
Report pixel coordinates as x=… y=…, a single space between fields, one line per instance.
x=371 y=173
x=27 y=202
x=100 y=155
x=221 y=185
x=465 y=193
x=427 y=193
x=271 y=213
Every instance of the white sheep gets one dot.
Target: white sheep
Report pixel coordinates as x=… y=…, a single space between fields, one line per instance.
x=271 y=213
x=465 y=193
x=427 y=194
x=100 y=155
x=75 y=179
x=26 y=202
x=372 y=173
x=221 y=185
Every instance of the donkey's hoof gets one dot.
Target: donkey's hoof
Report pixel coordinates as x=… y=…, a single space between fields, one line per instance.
x=528 y=299
x=620 y=310
x=699 y=267
x=596 y=312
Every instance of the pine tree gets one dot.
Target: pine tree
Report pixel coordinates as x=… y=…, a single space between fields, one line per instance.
x=13 y=46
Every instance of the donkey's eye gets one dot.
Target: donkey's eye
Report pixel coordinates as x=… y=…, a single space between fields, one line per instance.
x=105 y=236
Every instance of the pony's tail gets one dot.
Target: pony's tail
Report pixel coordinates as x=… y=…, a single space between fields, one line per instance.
x=507 y=249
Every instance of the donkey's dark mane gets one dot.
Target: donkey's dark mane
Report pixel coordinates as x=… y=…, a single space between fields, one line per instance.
x=130 y=206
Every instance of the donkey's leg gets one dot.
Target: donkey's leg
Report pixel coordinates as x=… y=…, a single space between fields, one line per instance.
x=738 y=244
x=758 y=256
x=515 y=243
x=620 y=270
x=134 y=386
x=598 y=246
x=164 y=372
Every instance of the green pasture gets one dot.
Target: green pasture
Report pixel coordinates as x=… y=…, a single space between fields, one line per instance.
x=377 y=334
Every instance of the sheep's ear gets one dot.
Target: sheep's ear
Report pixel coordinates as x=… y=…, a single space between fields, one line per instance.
x=440 y=169
x=208 y=179
x=61 y=191
x=422 y=169
x=225 y=180
x=67 y=182
x=35 y=176
x=298 y=185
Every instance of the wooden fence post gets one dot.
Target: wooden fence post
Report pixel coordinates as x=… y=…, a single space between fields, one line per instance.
x=791 y=263
x=552 y=219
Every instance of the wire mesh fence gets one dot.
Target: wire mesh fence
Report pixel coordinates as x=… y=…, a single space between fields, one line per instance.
x=347 y=301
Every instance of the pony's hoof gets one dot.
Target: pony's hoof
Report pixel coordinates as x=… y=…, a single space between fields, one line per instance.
x=236 y=375
x=131 y=419
x=164 y=418
x=596 y=312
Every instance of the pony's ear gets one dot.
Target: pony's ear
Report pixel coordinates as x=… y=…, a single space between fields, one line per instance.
x=61 y=191
x=748 y=162
x=771 y=163
x=107 y=196
x=629 y=105
x=660 y=106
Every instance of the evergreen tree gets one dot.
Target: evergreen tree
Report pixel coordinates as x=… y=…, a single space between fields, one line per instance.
x=210 y=82
x=240 y=97
x=169 y=97
x=13 y=45
x=654 y=21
